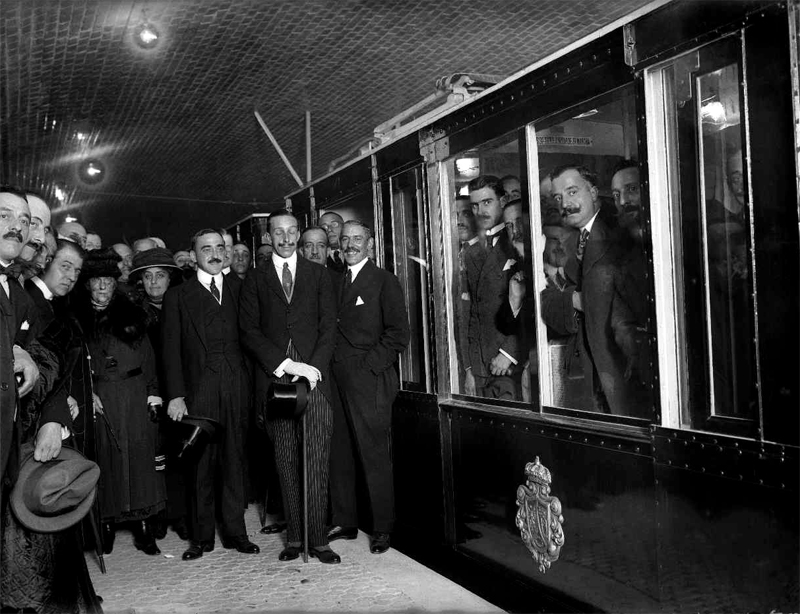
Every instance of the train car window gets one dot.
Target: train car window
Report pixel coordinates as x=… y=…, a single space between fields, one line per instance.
x=490 y=244
x=591 y=283
x=411 y=265
x=706 y=268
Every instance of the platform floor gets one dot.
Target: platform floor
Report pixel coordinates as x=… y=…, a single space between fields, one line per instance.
x=226 y=581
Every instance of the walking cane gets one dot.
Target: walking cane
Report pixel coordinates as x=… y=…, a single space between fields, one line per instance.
x=305 y=493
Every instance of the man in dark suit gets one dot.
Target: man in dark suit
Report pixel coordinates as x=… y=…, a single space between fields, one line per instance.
x=206 y=376
x=288 y=324
x=493 y=356
x=20 y=321
x=372 y=332
x=314 y=247
x=602 y=301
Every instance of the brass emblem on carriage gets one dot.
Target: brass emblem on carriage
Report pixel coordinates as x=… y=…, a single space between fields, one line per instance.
x=539 y=516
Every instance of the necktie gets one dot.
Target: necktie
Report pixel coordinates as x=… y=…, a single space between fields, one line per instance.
x=348 y=279
x=286 y=280
x=582 y=243
x=582 y=239
x=215 y=290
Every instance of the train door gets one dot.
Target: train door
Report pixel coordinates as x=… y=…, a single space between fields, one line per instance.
x=724 y=203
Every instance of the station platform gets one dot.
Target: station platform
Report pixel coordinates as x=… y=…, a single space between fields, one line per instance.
x=226 y=581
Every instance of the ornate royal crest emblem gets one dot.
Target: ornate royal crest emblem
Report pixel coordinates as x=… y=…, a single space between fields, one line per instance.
x=539 y=516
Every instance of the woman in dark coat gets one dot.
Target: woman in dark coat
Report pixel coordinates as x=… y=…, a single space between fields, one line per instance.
x=131 y=488
x=153 y=272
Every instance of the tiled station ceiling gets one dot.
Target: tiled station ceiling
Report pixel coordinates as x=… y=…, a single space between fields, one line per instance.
x=170 y=131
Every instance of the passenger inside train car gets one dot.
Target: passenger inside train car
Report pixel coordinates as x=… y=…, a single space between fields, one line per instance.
x=523 y=320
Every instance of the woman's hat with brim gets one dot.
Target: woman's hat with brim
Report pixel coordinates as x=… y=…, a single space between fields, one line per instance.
x=158 y=256
x=101 y=263
x=53 y=496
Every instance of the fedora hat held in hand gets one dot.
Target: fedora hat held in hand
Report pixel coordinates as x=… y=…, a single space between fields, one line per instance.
x=53 y=496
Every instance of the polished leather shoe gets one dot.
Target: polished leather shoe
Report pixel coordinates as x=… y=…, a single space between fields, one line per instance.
x=241 y=544
x=329 y=557
x=196 y=550
x=275 y=527
x=148 y=547
x=379 y=543
x=290 y=553
x=342 y=533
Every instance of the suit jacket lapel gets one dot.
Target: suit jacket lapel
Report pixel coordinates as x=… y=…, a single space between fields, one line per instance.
x=194 y=306
x=598 y=244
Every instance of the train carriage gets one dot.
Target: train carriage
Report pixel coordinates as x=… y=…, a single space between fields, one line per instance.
x=666 y=478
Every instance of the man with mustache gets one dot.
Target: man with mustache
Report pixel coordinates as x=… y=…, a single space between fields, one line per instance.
x=288 y=325
x=601 y=302
x=489 y=263
x=372 y=332
x=18 y=318
x=205 y=375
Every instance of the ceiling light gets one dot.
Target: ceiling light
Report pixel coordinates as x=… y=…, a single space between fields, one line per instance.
x=69 y=218
x=92 y=171
x=146 y=35
x=60 y=194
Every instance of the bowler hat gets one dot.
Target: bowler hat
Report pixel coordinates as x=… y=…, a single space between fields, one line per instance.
x=287 y=400
x=158 y=256
x=196 y=433
x=54 y=495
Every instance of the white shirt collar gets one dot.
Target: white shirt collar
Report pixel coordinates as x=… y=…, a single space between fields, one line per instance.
x=473 y=240
x=226 y=270
x=43 y=287
x=356 y=268
x=590 y=223
x=205 y=279
x=493 y=231
x=278 y=262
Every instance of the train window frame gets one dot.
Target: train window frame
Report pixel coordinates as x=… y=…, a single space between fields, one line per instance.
x=400 y=225
x=546 y=404
x=446 y=173
x=668 y=242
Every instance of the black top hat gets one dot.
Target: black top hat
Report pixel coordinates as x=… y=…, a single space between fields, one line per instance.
x=287 y=400
x=196 y=433
x=55 y=495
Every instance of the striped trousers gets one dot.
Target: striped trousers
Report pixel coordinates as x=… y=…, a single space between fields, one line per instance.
x=287 y=439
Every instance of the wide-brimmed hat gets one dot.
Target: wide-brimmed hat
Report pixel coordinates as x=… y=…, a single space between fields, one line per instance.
x=196 y=432
x=158 y=256
x=101 y=263
x=55 y=495
x=287 y=400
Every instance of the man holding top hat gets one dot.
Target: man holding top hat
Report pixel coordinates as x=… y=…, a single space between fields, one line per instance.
x=288 y=324
x=206 y=377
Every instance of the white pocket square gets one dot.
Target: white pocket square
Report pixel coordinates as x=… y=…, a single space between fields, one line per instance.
x=509 y=263
x=359 y=301
x=25 y=325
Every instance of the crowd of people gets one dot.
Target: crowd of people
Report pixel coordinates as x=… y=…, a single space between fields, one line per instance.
x=593 y=296
x=159 y=366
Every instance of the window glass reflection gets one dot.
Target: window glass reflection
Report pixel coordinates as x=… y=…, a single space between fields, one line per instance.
x=491 y=259
x=594 y=295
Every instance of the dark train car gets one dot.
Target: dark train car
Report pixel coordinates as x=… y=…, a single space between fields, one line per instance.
x=642 y=455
